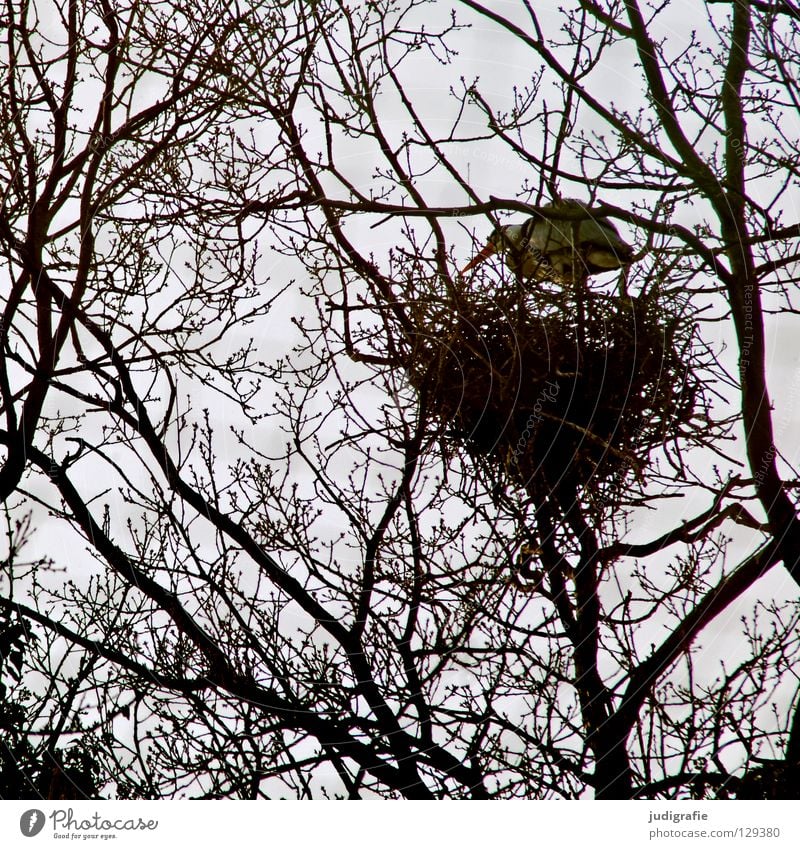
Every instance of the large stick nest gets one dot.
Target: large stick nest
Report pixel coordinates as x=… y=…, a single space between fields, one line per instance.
x=558 y=391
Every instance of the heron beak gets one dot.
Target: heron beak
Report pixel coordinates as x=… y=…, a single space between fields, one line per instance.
x=484 y=254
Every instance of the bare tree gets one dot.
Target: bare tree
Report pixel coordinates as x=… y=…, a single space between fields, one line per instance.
x=294 y=508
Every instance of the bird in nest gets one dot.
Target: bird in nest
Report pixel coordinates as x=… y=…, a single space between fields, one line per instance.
x=551 y=248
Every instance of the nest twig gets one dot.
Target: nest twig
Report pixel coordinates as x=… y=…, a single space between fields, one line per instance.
x=560 y=392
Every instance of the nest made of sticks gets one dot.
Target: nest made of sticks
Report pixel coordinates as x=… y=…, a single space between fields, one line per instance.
x=559 y=392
